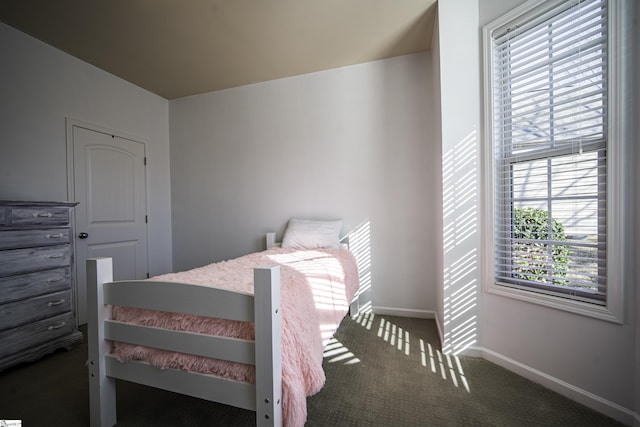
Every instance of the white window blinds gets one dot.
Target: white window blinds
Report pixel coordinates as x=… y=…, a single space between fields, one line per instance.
x=550 y=124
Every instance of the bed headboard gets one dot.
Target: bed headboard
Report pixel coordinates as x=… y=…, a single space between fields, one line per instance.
x=271 y=240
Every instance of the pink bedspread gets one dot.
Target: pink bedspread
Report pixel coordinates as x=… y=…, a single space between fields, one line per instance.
x=316 y=288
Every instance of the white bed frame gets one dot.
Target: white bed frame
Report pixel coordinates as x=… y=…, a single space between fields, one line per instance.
x=264 y=396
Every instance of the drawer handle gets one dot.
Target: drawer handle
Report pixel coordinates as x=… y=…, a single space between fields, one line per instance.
x=55 y=236
x=56 y=326
x=55 y=256
x=56 y=279
x=42 y=214
x=54 y=303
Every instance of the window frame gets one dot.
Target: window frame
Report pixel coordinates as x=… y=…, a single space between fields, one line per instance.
x=612 y=310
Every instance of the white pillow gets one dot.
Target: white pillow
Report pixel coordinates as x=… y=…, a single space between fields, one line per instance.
x=312 y=234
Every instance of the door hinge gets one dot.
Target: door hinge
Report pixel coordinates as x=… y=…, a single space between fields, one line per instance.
x=145 y=161
x=148 y=275
x=146 y=219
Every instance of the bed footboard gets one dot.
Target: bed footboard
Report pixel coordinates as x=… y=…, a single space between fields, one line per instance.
x=265 y=353
x=102 y=388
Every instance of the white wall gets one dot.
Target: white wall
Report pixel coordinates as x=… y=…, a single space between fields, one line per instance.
x=459 y=123
x=352 y=143
x=636 y=259
x=437 y=136
x=589 y=360
x=39 y=88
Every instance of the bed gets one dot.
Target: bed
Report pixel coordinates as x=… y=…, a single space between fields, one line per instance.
x=248 y=332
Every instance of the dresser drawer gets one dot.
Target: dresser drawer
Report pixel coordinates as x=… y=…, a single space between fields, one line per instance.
x=40 y=307
x=38 y=215
x=16 y=261
x=14 y=288
x=13 y=239
x=32 y=334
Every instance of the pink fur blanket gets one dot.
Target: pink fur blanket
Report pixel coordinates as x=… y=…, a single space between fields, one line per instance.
x=316 y=289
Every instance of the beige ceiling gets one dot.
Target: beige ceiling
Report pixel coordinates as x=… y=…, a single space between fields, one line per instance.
x=176 y=48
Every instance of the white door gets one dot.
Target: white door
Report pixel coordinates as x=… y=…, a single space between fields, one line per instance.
x=111 y=215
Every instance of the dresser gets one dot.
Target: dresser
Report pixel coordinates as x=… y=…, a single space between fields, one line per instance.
x=37 y=306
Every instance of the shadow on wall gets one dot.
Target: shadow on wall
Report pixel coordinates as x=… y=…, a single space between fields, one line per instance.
x=461 y=258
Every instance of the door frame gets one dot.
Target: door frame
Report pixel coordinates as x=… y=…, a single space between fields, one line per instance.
x=70 y=123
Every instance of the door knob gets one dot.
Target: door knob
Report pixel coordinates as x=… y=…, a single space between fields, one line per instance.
x=83 y=235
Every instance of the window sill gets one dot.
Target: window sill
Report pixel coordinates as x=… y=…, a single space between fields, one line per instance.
x=558 y=303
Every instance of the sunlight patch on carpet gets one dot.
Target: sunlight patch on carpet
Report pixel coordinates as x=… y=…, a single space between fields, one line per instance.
x=335 y=352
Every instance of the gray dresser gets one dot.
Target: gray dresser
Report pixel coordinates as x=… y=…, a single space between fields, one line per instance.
x=37 y=307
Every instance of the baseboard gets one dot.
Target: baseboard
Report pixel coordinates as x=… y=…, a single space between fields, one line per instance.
x=597 y=403
x=403 y=312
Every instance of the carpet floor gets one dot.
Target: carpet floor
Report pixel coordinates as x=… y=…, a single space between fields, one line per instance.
x=381 y=371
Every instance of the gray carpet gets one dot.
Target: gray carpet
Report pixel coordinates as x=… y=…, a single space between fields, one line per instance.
x=373 y=379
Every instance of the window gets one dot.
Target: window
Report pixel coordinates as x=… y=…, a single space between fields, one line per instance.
x=547 y=95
